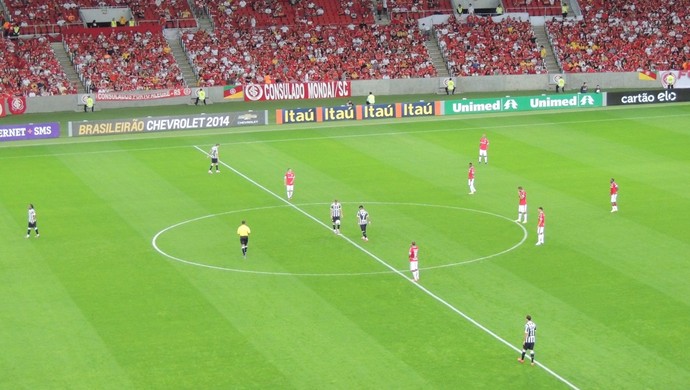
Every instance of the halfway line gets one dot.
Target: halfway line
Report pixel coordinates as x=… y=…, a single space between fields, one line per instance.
x=382 y=262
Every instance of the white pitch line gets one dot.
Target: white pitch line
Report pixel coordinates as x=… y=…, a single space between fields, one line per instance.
x=382 y=262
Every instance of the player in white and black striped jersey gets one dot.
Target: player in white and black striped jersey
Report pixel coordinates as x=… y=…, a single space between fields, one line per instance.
x=530 y=339
x=213 y=155
x=33 y=222
x=363 y=219
x=336 y=213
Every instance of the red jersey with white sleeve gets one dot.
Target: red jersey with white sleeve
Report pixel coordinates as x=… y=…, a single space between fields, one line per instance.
x=413 y=253
x=541 y=219
x=614 y=188
x=290 y=178
x=483 y=143
x=522 y=194
x=470 y=173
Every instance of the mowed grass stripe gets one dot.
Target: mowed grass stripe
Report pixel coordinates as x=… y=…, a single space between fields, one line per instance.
x=47 y=339
x=145 y=310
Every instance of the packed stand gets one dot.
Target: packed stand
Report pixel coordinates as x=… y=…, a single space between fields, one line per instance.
x=267 y=13
x=321 y=53
x=29 y=67
x=35 y=15
x=402 y=10
x=534 y=7
x=624 y=36
x=122 y=60
x=482 y=47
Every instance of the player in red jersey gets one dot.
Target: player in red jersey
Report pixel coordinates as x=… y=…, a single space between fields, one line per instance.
x=470 y=179
x=289 y=182
x=483 y=149
x=541 y=219
x=414 y=263
x=522 y=205
x=614 y=196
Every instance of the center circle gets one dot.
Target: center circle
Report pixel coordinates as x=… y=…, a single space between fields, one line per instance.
x=383 y=216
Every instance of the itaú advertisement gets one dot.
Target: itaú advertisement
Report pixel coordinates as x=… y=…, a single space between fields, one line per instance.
x=297 y=91
x=359 y=112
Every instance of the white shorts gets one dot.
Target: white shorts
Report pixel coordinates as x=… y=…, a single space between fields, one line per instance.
x=522 y=208
x=613 y=198
x=290 y=187
x=482 y=152
x=414 y=265
x=540 y=230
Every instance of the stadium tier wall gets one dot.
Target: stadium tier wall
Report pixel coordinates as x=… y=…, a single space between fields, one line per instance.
x=362 y=88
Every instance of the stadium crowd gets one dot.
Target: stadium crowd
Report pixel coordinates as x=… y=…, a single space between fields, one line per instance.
x=266 y=13
x=483 y=47
x=265 y=41
x=66 y=12
x=301 y=54
x=624 y=36
x=123 y=60
x=29 y=67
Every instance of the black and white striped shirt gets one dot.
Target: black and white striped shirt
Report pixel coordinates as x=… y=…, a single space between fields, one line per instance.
x=32 y=216
x=363 y=217
x=336 y=209
x=530 y=332
x=214 y=152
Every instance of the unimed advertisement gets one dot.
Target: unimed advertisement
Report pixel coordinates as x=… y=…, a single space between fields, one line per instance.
x=168 y=123
x=523 y=103
x=647 y=97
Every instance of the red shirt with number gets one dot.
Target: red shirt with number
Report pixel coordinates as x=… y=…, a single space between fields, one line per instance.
x=614 y=188
x=483 y=143
x=470 y=173
x=540 y=221
x=413 y=253
x=522 y=194
x=290 y=178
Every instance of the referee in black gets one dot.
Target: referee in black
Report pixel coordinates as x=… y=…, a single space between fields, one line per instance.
x=530 y=339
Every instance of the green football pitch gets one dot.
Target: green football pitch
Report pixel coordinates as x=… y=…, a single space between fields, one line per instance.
x=137 y=280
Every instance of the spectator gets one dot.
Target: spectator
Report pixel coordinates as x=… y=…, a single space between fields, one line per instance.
x=583 y=88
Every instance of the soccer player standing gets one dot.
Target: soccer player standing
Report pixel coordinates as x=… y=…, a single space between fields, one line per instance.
x=483 y=149
x=32 y=222
x=470 y=179
x=414 y=263
x=614 y=196
x=522 y=205
x=289 y=182
x=529 y=340
x=336 y=212
x=541 y=220
x=243 y=231
x=363 y=219
x=213 y=154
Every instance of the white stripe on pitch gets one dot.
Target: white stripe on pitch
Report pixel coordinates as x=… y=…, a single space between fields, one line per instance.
x=373 y=256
